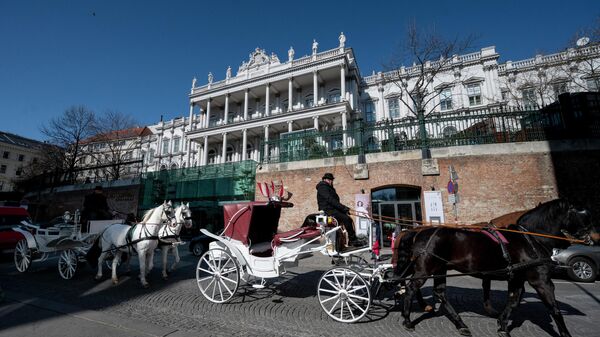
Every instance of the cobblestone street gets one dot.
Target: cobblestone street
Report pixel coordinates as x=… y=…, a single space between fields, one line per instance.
x=286 y=307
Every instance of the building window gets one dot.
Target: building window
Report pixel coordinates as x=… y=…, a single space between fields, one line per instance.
x=1 y=185
x=309 y=101
x=529 y=100
x=165 y=148
x=150 y=157
x=394 y=107
x=212 y=156
x=249 y=149
x=229 y=154
x=446 y=99
x=2 y=168
x=593 y=84
x=176 y=142
x=19 y=171
x=504 y=93
x=5 y=155
x=21 y=157
x=474 y=94
x=334 y=96
x=370 y=116
x=559 y=88
x=450 y=131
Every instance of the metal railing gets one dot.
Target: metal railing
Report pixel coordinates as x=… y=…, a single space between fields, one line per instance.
x=468 y=127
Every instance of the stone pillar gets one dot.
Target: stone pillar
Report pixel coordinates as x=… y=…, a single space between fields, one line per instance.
x=224 y=149
x=267 y=109
x=290 y=126
x=205 y=151
x=190 y=125
x=290 y=94
x=244 y=143
x=246 y=104
x=266 y=149
x=226 y=113
x=207 y=120
x=199 y=156
x=383 y=114
x=315 y=88
x=343 y=83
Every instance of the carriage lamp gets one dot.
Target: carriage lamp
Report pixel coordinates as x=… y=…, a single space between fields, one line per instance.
x=555 y=251
x=67 y=217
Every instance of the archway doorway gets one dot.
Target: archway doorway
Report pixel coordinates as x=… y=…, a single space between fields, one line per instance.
x=395 y=202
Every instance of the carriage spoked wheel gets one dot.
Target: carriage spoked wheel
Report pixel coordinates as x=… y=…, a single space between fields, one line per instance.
x=218 y=275
x=22 y=256
x=67 y=264
x=344 y=295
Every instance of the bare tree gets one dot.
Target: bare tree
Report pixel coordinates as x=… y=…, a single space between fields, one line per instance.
x=532 y=88
x=114 y=144
x=582 y=66
x=431 y=55
x=64 y=136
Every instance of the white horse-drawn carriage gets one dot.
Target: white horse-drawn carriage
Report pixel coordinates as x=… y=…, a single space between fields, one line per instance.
x=251 y=250
x=68 y=241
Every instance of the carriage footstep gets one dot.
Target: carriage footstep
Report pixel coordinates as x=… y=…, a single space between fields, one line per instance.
x=464 y=331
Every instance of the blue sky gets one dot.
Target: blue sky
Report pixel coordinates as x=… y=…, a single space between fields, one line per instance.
x=139 y=57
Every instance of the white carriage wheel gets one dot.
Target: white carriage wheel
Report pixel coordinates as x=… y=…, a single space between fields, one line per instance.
x=22 y=256
x=218 y=275
x=344 y=295
x=67 y=264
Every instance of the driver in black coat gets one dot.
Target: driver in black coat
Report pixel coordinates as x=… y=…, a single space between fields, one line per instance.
x=329 y=201
x=95 y=206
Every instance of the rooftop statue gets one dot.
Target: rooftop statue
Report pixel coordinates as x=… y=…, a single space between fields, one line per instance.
x=315 y=46
x=194 y=82
x=290 y=54
x=228 y=74
x=342 y=39
x=210 y=77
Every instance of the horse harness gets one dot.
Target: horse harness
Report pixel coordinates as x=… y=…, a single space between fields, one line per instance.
x=491 y=230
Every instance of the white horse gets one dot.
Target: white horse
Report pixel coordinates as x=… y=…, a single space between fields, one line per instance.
x=168 y=238
x=141 y=238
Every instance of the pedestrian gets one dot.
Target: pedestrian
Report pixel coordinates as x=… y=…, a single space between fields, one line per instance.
x=95 y=206
x=329 y=202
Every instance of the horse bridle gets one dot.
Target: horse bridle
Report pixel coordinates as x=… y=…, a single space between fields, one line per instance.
x=172 y=225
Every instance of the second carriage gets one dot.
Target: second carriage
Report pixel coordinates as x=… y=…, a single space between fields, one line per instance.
x=250 y=250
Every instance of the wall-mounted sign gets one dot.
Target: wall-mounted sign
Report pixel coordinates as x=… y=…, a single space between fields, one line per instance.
x=434 y=207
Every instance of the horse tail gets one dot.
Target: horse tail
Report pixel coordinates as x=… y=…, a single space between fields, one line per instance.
x=93 y=254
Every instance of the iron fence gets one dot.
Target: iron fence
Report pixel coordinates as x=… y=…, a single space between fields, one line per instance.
x=468 y=127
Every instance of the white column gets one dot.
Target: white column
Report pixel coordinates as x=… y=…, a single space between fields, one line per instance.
x=191 y=117
x=244 y=143
x=315 y=88
x=266 y=149
x=343 y=82
x=290 y=126
x=290 y=94
x=316 y=123
x=207 y=119
x=267 y=109
x=246 y=104
x=226 y=113
x=224 y=149
x=199 y=156
x=205 y=151
x=383 y=114
x=344 y=128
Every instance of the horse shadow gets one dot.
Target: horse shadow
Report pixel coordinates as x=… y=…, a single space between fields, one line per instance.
x=471 y=300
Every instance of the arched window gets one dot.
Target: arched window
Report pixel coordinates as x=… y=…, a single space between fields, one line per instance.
x=249 y=150
x=450 y=131
x=163 y=167
x=173 y=166
x=212 y=156
x=229 y=154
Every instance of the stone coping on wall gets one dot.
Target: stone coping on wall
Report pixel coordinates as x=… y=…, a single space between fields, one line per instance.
x=436 y=153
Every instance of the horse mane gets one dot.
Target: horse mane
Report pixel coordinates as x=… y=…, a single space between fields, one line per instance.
x=544 y=217
x=148 y=215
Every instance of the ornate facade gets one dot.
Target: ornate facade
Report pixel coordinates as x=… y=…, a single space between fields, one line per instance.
x=268 y=99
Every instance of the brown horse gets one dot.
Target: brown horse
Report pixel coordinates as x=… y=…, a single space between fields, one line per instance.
x=503 y=221
x=435 y=250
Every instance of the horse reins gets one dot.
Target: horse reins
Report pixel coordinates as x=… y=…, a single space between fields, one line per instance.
x=421 y=224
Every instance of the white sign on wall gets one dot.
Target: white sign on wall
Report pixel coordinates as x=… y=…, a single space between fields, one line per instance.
x=434 y=207
x=362 y=205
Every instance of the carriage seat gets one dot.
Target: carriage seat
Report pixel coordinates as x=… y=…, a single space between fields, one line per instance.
x=308 y=233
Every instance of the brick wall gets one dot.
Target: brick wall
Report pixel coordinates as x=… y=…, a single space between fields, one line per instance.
x=493 y=179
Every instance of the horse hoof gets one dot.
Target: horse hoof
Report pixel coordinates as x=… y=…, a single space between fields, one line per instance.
x=491 y=311
x=97 y=278
x=428 y=309
x=166 y=278
x=146 y=286
x=408 y=326
x=503 y=333
x=464 y=331
x=115 y=282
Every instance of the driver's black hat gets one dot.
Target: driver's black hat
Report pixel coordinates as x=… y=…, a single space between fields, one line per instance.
x=328 y=176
